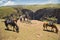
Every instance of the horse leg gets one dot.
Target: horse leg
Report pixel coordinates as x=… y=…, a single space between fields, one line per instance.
x=13 y=28
x=17 y=29
x=52 y=29
x=44 y=26
x=27 y=20
x=24 y=18
x=7 y=28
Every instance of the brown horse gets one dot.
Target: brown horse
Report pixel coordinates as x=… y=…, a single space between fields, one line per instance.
x=45 y=25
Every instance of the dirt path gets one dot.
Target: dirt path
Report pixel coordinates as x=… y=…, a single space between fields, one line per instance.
x=27 y=31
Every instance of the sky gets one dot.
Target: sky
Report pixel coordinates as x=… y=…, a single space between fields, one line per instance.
x=27 y=2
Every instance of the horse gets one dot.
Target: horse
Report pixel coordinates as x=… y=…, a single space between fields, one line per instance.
x=25 y=18
x=13 y=24
x=45 y=25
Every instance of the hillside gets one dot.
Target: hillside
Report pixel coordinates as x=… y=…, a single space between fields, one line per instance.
x=34 y=11
x=4 y=11
x=11 y=9
x=36 y=7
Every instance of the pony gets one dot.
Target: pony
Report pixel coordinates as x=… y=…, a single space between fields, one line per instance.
x=45 y=25
x=12 y=23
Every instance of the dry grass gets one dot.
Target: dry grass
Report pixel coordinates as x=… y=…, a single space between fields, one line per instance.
x=27 y=31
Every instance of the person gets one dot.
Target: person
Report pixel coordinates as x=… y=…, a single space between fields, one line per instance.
x=9 y=19
x=50 y=22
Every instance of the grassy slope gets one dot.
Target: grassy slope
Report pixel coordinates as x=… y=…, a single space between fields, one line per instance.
x=9 y=10
x=36 y=7
x=6 y=11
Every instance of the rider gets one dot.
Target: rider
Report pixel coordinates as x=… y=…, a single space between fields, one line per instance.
x=9 y=19
x=50 y=22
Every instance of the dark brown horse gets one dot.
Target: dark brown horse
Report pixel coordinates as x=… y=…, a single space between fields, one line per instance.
x=45 y=25
x=12 y=23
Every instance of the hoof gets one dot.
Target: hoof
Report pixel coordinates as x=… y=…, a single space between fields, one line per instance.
x=17 y=31
x=13 y=30
x=6 y=29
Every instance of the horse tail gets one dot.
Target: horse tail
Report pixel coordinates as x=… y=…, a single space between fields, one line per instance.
x=56 y=29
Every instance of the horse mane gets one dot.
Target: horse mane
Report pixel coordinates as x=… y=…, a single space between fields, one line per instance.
x=45 y=22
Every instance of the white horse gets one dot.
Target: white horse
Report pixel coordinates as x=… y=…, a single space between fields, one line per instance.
x=25 y=18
